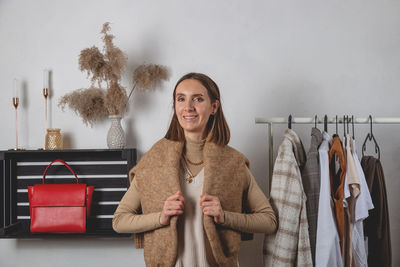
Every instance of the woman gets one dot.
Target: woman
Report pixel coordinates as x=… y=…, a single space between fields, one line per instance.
x=191 y=187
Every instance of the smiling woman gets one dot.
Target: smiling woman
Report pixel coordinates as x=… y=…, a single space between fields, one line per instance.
x=195 y=192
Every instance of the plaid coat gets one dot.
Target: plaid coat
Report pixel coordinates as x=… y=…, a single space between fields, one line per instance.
x=311 y=177
x=290 y=245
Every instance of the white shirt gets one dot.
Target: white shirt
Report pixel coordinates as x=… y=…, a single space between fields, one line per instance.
x=352 y=192
x=363 y=204
x=327 y=252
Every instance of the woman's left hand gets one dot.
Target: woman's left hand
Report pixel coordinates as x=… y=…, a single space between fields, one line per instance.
x=211 y=206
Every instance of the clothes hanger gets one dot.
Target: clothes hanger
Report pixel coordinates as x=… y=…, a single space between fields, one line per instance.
x=370 y=136
x=315 y=121
x=336 y=127
x=344 y=126
x=325 y=123
x=352 y=140
x=348 y=133
x=290 y=121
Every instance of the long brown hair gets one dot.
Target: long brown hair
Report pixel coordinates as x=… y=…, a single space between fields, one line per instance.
x=217 y=129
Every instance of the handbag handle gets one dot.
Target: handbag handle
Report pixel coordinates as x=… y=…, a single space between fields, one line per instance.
x=65 y=164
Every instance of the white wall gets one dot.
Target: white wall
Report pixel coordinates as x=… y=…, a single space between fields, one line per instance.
x=270 y=58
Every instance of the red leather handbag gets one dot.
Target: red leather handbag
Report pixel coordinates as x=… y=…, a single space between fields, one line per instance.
x=59 y=208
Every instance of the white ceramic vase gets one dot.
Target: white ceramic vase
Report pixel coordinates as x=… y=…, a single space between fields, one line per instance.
x=116 y=135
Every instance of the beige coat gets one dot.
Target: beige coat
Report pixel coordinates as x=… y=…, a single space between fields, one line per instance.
x=290 y=245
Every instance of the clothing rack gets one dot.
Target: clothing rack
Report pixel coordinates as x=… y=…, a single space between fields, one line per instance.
x=301 y=120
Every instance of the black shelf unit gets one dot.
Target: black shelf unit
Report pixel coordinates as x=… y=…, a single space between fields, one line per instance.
x=106 y=169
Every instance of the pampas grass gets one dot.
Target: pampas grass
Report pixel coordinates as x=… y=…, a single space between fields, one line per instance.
x=92 y=61
x=106 y=68
x=115 y=99
x=146 y=76
x=87 y=103
x=116 y=58
x=93 y=104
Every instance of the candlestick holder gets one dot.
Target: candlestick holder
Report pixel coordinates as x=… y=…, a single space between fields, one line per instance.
x=45 y=94
x=15 y=102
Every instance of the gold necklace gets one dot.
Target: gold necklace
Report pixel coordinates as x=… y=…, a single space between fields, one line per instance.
x=190 y=177
x=193 y=163
x=188 y=174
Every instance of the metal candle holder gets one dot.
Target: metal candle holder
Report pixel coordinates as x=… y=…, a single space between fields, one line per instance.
x=45 y=94
x=15 y=101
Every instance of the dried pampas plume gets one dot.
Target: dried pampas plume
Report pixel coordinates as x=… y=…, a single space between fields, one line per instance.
x=146 y=76
x=116 y=58
x=92 y=61
x=115 y=99
x=87 y=103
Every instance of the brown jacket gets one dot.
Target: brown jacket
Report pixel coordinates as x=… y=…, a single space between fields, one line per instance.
x=377 y=226
x=157 y=177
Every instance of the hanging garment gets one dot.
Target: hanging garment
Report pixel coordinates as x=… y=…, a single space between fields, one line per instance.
x=327 y=252
x=311 y=183
x=351 y=193
x=290 y=245
x=363 y=204
x=337 y=180
x=377 y=227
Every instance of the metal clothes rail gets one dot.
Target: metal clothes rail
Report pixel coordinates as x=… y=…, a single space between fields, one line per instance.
x=301 y=120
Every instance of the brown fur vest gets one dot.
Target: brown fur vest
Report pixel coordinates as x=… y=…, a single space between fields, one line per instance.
x=157 y=177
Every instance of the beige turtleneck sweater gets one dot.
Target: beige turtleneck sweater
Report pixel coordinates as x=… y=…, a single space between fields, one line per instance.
x=262 y=218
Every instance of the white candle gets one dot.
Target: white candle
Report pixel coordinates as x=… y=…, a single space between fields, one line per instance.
x=16 y=93
x=45 y=79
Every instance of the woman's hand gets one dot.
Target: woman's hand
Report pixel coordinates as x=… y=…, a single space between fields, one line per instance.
x=172 y=206
x=211 y=206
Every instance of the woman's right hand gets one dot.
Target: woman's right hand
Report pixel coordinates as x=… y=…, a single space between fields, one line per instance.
x=174 y=205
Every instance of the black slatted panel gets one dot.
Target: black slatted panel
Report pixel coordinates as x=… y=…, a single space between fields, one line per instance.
x=106 y=170
x=2 y=194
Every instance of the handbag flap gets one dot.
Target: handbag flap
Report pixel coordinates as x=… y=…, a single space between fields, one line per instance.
x=57 y=195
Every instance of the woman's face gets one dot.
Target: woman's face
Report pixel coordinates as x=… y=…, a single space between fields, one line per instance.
x=193 y=108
